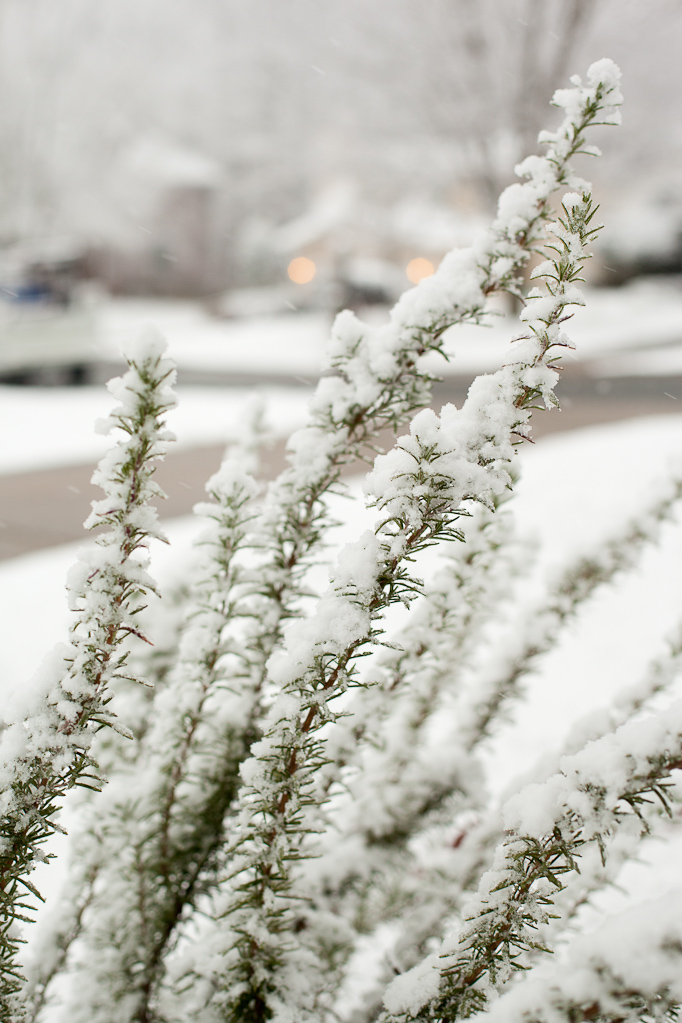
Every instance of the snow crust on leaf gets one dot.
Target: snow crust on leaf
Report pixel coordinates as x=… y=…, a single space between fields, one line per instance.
x=45 y=749
x=606 y=766
x=635 y=954
x=413 y=989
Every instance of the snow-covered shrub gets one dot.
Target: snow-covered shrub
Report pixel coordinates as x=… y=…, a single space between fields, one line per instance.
x=276 y=839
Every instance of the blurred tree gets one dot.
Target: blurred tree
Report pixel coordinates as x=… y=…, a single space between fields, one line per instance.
x=410 y=99
x=464 y=75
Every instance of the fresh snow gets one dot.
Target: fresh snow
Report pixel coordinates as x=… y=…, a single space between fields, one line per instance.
x=48 y=427
x=288 y=345
x=617 y=332
x=635 y=330
x=639 y=316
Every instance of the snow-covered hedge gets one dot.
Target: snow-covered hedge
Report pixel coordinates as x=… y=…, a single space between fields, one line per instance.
x=271 y=831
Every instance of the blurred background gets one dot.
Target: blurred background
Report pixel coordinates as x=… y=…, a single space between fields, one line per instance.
x=196 y=148
x=236 y=172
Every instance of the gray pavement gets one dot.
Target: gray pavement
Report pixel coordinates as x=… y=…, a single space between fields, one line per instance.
x=44 y=508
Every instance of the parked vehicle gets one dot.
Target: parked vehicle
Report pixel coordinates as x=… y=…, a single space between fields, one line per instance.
x=47 y=323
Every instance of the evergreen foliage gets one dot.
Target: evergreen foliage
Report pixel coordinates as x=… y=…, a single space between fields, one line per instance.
x=280 y=803
x=48 y=752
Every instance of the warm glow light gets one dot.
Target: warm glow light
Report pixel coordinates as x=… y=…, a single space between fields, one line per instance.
x=418 y=269
x=301 y=270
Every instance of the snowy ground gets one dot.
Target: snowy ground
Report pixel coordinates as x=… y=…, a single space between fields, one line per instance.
x=644 y=315
x=634 y=330
x=56 y=426
x=287 y=344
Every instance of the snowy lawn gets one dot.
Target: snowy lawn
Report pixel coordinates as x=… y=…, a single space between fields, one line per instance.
x=289 y=344
x=47 y=427
x=633 y=330
x=642 y=315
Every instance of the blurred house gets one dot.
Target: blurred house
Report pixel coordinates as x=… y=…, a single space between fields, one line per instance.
x=166 y=239
x=344 y=251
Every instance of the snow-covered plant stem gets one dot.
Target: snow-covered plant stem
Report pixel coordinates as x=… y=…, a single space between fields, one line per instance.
x=196 y=892
x=45 y=751
x=191 y=760
x=420 y=486
x=396 y=778
x=376 y=380
x=629 y=970
x=404 y=780
x=171 y=808
x=499 y=682
x=51 y=950
x=605 y=787
x=443 y=887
